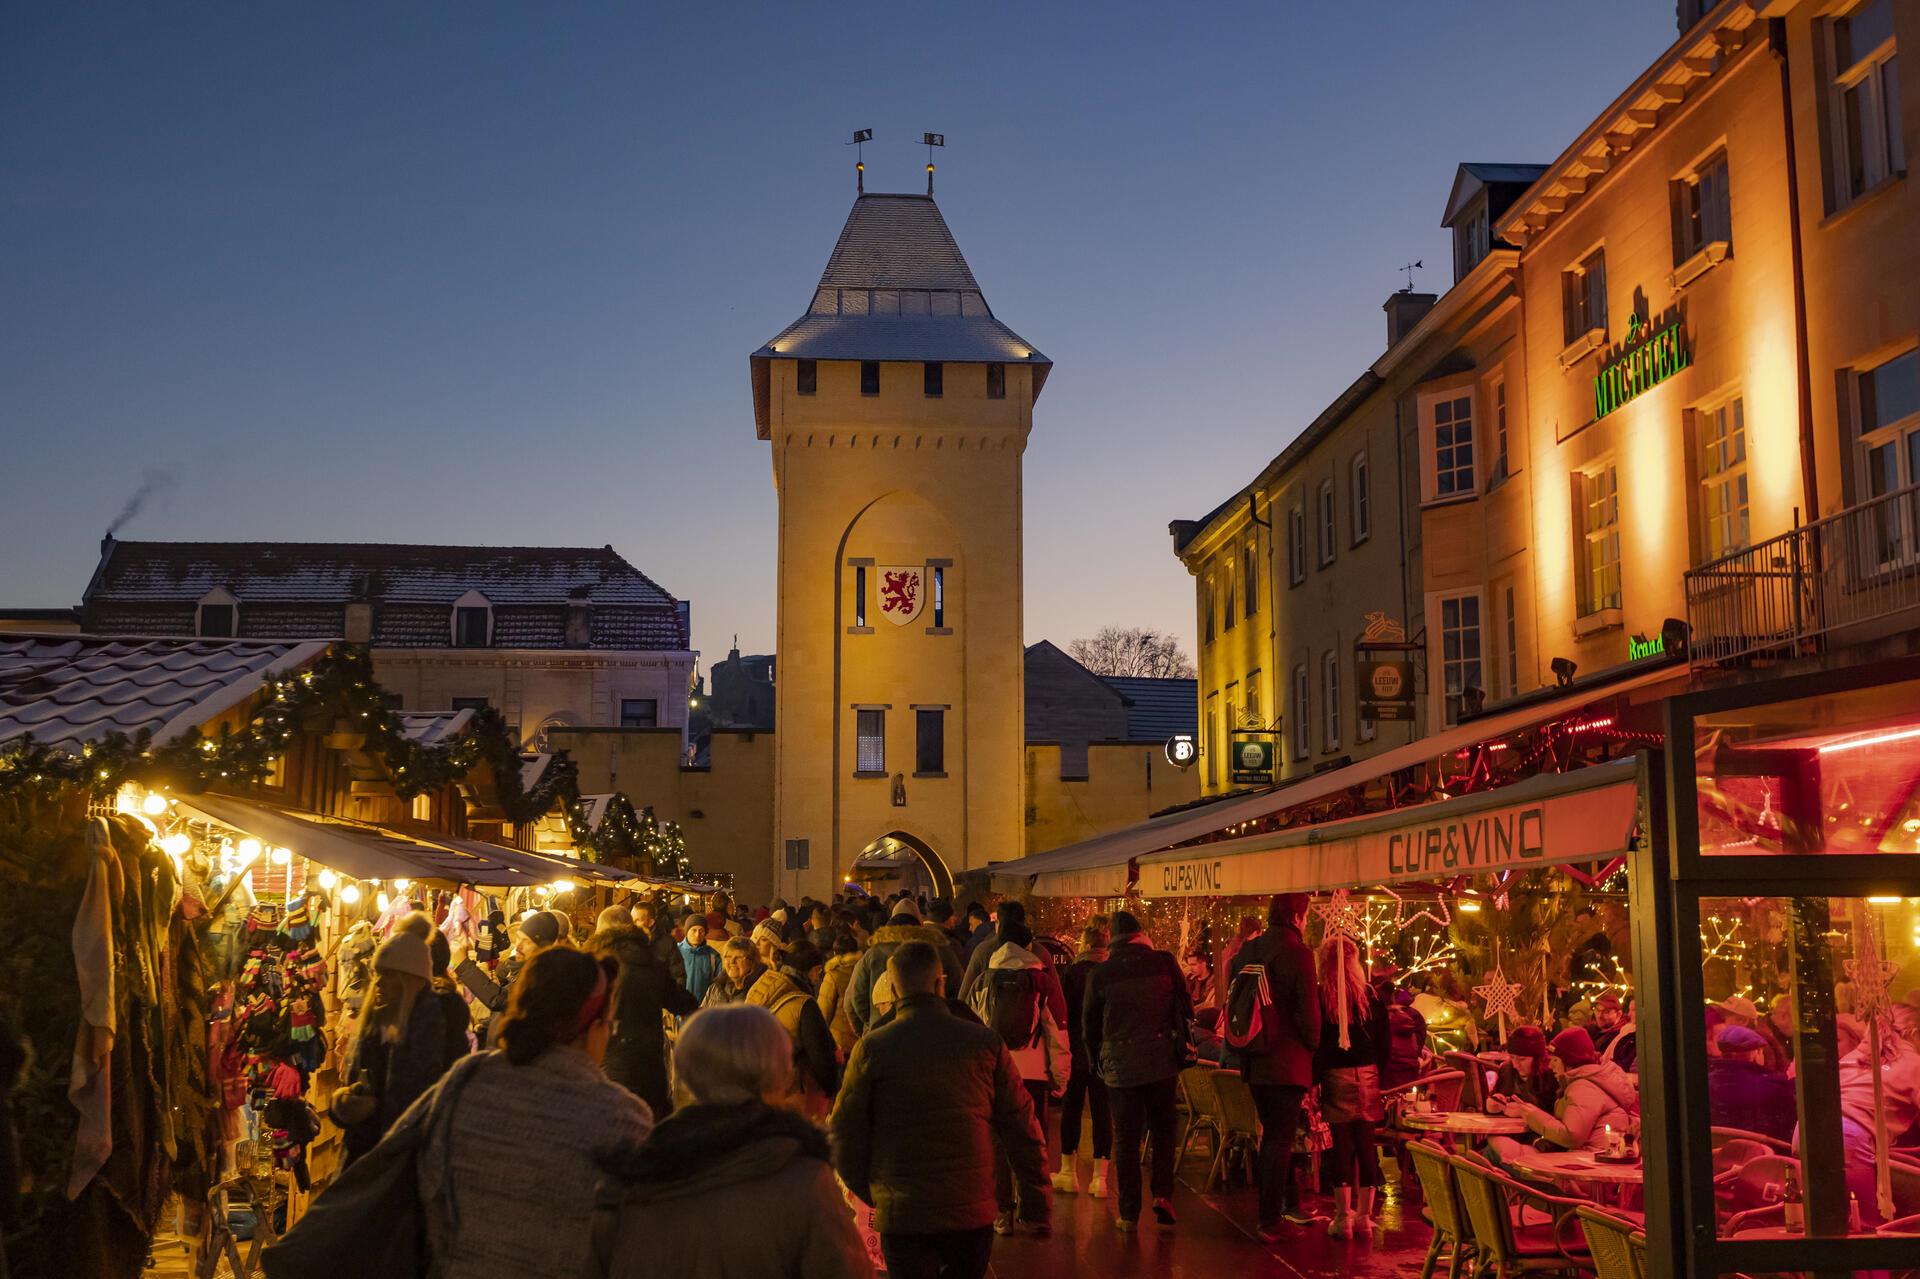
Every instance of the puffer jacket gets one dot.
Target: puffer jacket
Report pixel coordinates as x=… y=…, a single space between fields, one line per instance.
x=887 y=939
x=675 y=1205
x=798 y=1015
x=701 y=964
x=1592 y=1099
x=832 y=998
x=925 y=1097
x=1073 y=984
x=637 y=1048
x=1138 y=1015
x=1049 y=1057
x=1296 y=998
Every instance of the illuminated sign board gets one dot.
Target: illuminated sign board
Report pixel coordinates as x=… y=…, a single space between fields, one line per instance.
x=1648 y=358
x=1250 y=761
x=1182 y=750
x=1386 y=687
x=1639 y=646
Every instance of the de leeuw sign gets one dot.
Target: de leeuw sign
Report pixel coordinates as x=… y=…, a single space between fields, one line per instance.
x=1649 y=357
x=1552 y=829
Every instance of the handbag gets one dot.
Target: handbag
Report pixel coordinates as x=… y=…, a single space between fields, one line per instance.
x=373 y=1212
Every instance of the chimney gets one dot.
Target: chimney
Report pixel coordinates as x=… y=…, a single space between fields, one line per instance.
x=1404 y=310
x=579 y=619
x=106 y=544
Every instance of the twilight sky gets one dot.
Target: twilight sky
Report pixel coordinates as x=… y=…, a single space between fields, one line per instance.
x=490 y=273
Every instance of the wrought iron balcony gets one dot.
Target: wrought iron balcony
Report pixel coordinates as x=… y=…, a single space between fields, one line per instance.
x=1847 y=578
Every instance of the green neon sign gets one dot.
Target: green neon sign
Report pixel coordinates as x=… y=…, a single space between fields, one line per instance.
x=1639 y=646
x=1648 y=359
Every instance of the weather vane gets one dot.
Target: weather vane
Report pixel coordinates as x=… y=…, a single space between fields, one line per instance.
x=932 y=140
x=860 y=138
x=1410 y=268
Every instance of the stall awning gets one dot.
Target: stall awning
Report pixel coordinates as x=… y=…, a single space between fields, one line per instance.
x=1555 y=819
x=372 y=852
x=1097 y=867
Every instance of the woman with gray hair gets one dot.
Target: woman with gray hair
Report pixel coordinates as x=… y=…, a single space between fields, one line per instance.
x=731 y=1183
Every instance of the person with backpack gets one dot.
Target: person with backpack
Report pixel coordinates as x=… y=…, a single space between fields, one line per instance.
x=1273 y=1021
x=902 y=926
x=1138 y=1024
x=1085 y=1092
x=1011 y=1001
x=746 y=980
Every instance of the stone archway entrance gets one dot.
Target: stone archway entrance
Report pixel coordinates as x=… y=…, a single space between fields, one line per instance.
x=898 y=860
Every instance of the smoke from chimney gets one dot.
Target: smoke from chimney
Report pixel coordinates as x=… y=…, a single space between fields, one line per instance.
x=154 y=483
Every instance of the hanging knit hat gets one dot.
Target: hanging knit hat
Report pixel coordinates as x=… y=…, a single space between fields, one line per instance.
x=299 y=923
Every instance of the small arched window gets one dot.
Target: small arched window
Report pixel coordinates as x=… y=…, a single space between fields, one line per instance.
x=472 y=621
x=217 y=615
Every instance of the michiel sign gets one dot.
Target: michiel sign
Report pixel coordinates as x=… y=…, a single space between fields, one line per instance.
x=1250 y=761
x=1648 y=357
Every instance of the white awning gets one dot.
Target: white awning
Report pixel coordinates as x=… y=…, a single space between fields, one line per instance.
x=1554 y=819
x=1099 y=867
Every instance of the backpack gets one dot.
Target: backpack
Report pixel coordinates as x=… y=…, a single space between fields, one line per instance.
x=1252 y=1023
x=1404 y=1034
x=1009 y=1001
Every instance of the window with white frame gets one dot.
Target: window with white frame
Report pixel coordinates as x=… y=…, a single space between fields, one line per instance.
x=1213 y=744
x=1256 y=715
x=1323 y=503
x=1599 y=524
x=1251 y=572
x=1206 y=603
x=1361 y=498
x=1497 y=399
x=1226 y=614
x=1583 y=293
x=1302 y=718
x=1702 y=213
x=217 y=616
x=472 y=621
x=1330 y=696
x=1886 y=405
x=1460 y=649
x=1865 y=107
x=1296 y=546
x=1513 y=645
x=870 y=746
x=1472 y=239
x=1721 y=432
x=1450 y=427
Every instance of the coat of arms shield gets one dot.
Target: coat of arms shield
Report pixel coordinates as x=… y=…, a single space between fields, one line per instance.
x=902 y=592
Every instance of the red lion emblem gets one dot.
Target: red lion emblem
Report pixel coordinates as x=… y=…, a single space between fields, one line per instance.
x=897 y=591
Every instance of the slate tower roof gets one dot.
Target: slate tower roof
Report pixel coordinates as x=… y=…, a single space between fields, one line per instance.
x=896 y=288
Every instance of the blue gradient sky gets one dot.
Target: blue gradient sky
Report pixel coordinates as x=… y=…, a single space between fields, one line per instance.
x=490 y=272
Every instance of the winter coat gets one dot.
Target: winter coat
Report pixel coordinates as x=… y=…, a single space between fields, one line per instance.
x=1138 y=1017
x=701 y=964
x=798 y=1015
x=888 y=938
x=514 y=1165
x=1540 y=1088
x=1073 y=986
x=1296 y=998
x=1367 y=1040
x=925 y=1097
x=675 y=1205
x=666 y=949
x=399 y=1071
x=1049 y=983
x=834 y=1005
x=1592 y=1099
x=1752 y=1096
x=1049 y=1057
x=980 y=936
x=637 y=1048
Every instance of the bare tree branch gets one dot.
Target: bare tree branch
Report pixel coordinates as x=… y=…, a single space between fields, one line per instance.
x=1132 y=650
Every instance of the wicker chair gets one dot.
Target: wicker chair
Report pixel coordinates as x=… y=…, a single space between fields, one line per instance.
x=1496 y=1205
x=1610 y=1241
x=1240 y=1124
x=1442 y=1085
x=1203 y=1110
x=1443 y=1212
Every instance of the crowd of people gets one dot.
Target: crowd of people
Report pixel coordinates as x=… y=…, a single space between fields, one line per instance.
x=865 y=1079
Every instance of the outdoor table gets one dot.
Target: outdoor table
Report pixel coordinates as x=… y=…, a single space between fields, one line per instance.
x=1582 y=1170
x=1470 y=1124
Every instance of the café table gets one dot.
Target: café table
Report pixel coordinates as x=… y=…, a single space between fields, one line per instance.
x=1469 y=1124
x=1580 y=1170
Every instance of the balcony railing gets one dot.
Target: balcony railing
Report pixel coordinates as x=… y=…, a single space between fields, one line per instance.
x=1787 y=596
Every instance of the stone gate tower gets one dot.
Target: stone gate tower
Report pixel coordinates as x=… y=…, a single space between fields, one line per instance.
x=898 y=409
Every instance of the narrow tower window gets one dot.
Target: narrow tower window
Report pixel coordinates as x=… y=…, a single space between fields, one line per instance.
x=996 y=381
x=807 y=377
x=933 y=379
x=869 y=377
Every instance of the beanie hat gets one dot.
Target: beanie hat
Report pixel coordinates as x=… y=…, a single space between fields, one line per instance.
x=615 y=917
x=1124 y=923
x=906 y=907
x=417 y=922
x=1740 y=1039
x=542 y=928
x=1608 y=1000
x=404 y=953
x=691 y=920
x=1527 y=1041
x=1574 y=1047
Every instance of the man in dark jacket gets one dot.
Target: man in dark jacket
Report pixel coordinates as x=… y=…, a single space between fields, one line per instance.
x=1012 y=920
x=637 y=1047
x=1137 y=1025
x=1281 y=1070
x=655 y=922
x=1743 y=1091
x=925 y=1098
x=978 y=928
x=902 y=926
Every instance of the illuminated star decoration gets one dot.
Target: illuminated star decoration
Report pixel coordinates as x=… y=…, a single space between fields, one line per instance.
x=1401 y=918
x=1870 y=976
x=1340 y=914
x=1500 y=999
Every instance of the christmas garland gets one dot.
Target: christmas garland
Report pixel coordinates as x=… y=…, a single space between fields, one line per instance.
x=335 y=691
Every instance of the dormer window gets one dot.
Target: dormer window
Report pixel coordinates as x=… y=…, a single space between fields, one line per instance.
x=1472 y=239
x=472 y=621
x=217 y=616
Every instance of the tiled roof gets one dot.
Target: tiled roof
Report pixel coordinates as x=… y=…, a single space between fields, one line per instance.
x=1158 y=708
x=896 y=242
x=337 y=572
x=430 y=728
x=70 y=690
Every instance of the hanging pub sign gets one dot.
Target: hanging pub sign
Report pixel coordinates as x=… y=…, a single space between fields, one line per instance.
x=1384 y=662
x=1648 y=357
x=1250 y=761
x=1182 y=750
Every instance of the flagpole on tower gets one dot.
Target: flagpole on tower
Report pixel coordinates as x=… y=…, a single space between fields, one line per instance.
x=932 y=140
x=860 y=137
